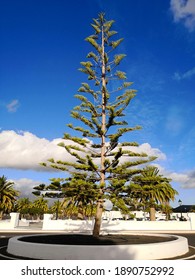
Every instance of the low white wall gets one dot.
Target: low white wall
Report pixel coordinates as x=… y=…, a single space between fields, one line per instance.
x=150 y=251
x=23 y=223
x=107 y=225
x=118 y=225
x=69 y=225
x=10 y=224
x=146 y=225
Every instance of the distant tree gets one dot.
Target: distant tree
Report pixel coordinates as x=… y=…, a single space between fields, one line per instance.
x=193 y=208
x=103 y=163
x=39 y=207
x=56 y=208
x=167 y=209
x=81 y=192
x=76 y=193
x=151 y=188
x=8 y=195
x=23 y=206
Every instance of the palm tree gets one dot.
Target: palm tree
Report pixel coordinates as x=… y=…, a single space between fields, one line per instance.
x=167 y=209
x=81 y=193
x=7 y=195
x=40 y=206
x=56 y=208
x=23 y=206
x=152 y=188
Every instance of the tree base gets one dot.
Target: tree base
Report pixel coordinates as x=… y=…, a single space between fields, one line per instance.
x=108 y=247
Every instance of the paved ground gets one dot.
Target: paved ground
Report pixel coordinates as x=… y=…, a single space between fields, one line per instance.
x=4 y=237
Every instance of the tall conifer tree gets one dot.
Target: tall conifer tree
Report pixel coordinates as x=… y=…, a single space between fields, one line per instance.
x=99 y=158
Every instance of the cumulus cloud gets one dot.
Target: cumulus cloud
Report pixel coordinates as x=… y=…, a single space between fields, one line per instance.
x=25 y=186
x=184 y=11
x=186 y=180
x=152 y=151
x=24 y=150
x=146 y=148
x=12 y=107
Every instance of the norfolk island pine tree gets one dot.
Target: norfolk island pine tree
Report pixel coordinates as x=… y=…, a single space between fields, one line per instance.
x=99 y=158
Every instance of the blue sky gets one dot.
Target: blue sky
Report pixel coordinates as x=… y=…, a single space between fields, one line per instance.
x=41 y=47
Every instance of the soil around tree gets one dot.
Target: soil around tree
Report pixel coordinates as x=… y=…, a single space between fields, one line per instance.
x=87 y=240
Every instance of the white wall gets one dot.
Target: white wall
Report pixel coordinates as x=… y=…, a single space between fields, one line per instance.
x=107 y=225
x=68 y=225
x=12 y=223
x=140 y=214
x=110 y=226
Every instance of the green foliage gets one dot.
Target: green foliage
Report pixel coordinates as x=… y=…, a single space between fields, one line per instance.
x=8 y=195
x=102 y=167
x=151 y=188
x=193 y=208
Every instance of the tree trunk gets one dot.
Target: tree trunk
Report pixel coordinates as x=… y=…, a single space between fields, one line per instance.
x=99 y=210
x=152 y=214
x=98 y=219
x=80 y=211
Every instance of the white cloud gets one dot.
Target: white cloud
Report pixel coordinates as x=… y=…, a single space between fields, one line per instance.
x=25 y=186
x=184 y=10
x=186 y=180
x=24 y=150
x=12 y=107
x=146 y=148
x=186 y=75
